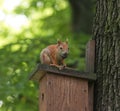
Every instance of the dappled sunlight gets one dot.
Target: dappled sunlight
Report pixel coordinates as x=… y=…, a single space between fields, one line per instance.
x=11 y=20
x=9 y=5
x=2 y=15
x=1 y=103
x=11 y=23
x=16 y=21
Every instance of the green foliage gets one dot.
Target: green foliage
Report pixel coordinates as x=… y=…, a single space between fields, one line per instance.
x=19 y=51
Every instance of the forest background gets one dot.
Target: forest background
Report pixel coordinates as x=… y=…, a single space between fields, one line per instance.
x=26 y=27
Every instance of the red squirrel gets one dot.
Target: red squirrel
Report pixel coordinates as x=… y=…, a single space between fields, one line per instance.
x=55 y=54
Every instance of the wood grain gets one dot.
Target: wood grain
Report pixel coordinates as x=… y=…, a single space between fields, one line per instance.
x=63 y=93
x=90 y=56
x=90 y=59
x=42 y=95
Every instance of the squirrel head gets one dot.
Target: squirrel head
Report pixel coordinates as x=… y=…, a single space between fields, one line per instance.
x=63 y=49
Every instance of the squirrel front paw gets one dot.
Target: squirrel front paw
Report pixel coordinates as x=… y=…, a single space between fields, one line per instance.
x=60 y=67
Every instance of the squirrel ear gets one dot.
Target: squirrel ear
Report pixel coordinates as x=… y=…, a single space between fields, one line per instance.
x=59 y=42
x=66 y=41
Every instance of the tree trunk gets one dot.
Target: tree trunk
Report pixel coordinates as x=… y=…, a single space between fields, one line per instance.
x=82 y=15
x=107 y=61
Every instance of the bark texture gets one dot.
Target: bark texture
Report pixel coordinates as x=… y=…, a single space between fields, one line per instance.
x=106 y=31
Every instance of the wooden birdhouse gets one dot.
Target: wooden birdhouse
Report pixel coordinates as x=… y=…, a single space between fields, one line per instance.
x=67 y=89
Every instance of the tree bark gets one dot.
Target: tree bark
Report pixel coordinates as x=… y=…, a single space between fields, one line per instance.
x=106 y=32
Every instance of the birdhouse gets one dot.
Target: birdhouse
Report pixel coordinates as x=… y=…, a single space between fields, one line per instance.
x=67 y=89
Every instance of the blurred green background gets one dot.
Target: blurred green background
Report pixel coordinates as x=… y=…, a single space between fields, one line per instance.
x=26 y=27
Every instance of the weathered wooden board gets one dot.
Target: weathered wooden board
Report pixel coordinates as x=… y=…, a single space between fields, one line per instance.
x=43 y=94
x=90 y=56
x=90 y=64
x=63 y=93
x=42 y=69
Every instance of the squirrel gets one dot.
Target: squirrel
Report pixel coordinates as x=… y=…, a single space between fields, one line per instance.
x=55 y=54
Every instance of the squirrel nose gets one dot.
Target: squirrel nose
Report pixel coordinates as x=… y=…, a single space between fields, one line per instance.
x=65 y=54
